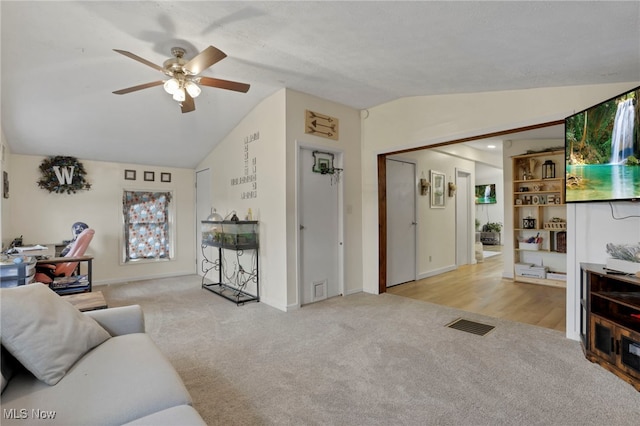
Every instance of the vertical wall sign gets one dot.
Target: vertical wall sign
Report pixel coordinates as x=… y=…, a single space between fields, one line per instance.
x=321 y=125
x=249 y=179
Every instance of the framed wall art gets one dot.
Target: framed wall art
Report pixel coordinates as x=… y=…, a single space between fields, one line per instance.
x=165 y=177
x=130 y=175
x=149 y=176
x=437 y=190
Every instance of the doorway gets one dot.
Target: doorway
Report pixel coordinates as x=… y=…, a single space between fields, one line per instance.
x=401 y=216
x=320 y=225
x=464 y=218
x=382 y=190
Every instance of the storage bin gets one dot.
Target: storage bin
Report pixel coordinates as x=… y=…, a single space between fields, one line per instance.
x=528 y=246
x=520 y=267
x=9 y=269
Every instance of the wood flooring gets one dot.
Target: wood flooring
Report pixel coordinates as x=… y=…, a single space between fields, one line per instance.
x=481 y=289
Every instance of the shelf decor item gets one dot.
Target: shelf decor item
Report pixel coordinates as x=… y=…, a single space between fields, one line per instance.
x=556 y=223
x=548 y=170
x=529 y=223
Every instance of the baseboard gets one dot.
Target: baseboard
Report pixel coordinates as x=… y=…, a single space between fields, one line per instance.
x=353 y=291
x=140 y=278
x=437 y=271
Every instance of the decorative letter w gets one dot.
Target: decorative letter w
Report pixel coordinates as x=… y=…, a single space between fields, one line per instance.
x=66 y=176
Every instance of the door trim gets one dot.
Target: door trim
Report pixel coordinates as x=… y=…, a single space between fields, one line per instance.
x=339 y=159
x=470 y=216
x=198 y=240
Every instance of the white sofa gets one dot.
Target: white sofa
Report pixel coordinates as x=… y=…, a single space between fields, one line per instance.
x=123 y=380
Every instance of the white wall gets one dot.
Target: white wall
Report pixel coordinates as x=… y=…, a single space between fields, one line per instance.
x=268 y=204
x=596 y=224
x=280 y=122
x=45 y=218
x=348 y=144
x=423 y=121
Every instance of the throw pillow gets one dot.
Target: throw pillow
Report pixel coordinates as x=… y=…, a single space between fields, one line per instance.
x=8 y=365
x=44 y=332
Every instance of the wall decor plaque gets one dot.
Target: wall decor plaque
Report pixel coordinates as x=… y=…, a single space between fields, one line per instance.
x=321 y=125
x=62 y=174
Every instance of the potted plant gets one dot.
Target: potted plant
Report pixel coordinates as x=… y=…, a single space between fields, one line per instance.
x=493 y=227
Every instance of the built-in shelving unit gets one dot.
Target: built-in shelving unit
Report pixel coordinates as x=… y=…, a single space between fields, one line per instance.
x=539 y=211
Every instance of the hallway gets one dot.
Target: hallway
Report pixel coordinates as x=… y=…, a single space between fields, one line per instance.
x=481 y=289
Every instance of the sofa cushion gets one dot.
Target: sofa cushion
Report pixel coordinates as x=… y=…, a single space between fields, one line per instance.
x=123 y=379
x=183 y=415
x=8 y=365
x=44 y=333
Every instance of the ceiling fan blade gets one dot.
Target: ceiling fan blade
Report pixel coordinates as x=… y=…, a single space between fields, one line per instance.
x=139 y=59
x=188 y=104
x=204 y=60
x=139 y=87
x=224 y=84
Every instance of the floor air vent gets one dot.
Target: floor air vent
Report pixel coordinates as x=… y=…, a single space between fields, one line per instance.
x=471 y=326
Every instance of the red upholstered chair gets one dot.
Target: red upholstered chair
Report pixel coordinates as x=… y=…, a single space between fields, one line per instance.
x=46 y=272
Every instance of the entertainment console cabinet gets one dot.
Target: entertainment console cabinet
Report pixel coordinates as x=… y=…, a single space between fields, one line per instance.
x=610 y=321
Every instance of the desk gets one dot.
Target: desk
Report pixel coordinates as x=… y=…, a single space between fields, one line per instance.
x=70 y=290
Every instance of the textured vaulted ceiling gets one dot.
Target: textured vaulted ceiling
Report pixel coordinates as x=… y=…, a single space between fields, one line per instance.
x=58 y=68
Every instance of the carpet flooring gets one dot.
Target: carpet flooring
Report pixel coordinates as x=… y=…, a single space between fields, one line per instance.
x=370 y=360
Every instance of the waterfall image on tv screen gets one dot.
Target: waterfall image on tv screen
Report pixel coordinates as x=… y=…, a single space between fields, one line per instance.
x=486 y=194
x=603 y=151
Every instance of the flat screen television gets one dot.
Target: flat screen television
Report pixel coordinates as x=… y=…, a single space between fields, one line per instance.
x=486 y=194
x=602 y=149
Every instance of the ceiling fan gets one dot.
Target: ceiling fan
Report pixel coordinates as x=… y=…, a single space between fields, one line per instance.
x=184 y=82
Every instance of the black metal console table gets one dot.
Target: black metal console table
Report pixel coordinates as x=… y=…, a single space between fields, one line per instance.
x=235 y=283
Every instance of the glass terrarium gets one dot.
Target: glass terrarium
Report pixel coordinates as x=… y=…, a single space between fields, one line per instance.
x=230 y=234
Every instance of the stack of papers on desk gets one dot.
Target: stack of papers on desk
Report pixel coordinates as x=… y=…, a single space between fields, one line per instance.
x=30 y=248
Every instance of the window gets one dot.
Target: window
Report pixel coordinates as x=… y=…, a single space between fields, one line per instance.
x=148 y=228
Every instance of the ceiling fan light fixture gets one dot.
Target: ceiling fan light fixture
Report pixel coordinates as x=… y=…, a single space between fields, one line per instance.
x=179 y=95
x=193 y=89
x=171 y=85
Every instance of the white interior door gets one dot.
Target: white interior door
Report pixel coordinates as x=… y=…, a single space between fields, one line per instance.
x=320 y=242
x=464 y=230
x=401 y=222
x=203 y=210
